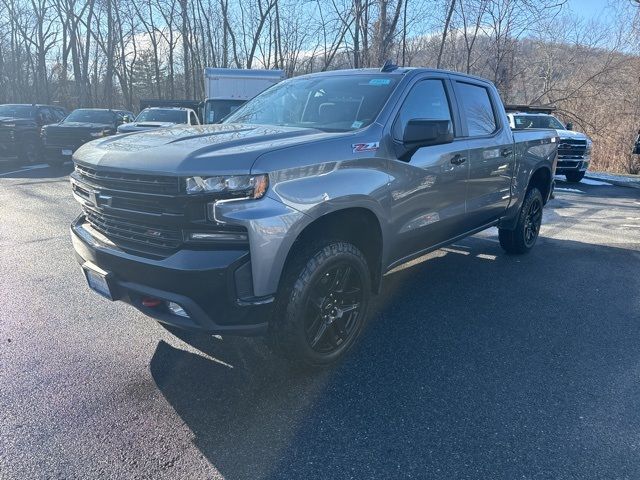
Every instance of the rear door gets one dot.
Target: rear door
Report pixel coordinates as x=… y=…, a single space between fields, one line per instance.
x=491 y=155
x=428 y=189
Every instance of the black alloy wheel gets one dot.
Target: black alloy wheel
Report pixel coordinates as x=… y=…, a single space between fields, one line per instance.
x=322 y=306
x=523 y=236
x=333 y=312
x=28 y=153
x=532 y=222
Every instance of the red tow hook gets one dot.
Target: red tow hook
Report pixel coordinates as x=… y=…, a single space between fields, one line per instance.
x=151 y=302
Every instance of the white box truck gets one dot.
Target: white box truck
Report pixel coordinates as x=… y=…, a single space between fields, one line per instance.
x=228 y=88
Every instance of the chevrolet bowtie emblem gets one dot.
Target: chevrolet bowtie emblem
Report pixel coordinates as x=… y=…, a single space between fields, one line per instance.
x=104 y=199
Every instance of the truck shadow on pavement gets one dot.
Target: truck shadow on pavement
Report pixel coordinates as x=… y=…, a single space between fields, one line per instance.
x=476 y=365
x=38 y=171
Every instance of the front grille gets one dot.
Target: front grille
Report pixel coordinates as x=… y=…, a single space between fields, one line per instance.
x=144 y=215
x=66 y=137
x=128 y=182
x=572 y=148
x=148 y=238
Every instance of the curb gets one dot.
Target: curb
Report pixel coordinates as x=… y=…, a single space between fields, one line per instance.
x=618 y=183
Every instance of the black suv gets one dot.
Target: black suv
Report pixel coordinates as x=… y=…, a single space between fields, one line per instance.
x=81 y=126
x=20 y=126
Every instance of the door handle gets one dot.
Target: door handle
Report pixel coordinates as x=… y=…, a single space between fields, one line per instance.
x=506 y=152
x=458 y=159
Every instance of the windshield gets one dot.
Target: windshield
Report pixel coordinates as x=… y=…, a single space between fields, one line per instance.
x=537 y=121
x=91 y=116
x=17 y=111
x=161 y=115
x=331 y=103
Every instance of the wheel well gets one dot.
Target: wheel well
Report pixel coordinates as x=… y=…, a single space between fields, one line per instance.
x=541 y=179
x=358 y=226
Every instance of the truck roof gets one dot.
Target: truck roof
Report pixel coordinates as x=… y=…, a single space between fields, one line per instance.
x=530 y=114
x=521 y=108
x=168 y=108
x=395 y=72
x=31 y=105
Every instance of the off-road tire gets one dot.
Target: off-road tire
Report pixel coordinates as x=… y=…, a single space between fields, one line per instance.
x=55 y=163
x=574 y=177
x=516 y=241
x=286 y=335
x=28 y=153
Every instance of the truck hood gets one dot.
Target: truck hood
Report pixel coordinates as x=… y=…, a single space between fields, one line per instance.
x=16 y=121
x=571 y=135
x=78 y=125
x=132 y=127
x=193 y=150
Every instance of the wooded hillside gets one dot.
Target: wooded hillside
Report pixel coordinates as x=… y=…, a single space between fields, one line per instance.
x=111 y=53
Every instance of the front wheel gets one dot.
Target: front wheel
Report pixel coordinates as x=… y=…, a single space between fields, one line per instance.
x=574 y=177
x=55 y=163
x=28 y=152
x=323 y=304
x=522 y=238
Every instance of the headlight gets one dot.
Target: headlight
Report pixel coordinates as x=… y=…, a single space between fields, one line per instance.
x=241 y=186
x=97 y=134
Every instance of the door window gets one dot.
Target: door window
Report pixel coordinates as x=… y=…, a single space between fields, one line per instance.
x=427 y=100
x=48 y=115
x=477 y=109
x=58 y=114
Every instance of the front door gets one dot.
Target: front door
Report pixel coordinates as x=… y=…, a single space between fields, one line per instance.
x=428 y=188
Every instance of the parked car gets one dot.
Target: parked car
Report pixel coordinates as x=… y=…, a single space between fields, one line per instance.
x=161 y=117
x=282 y=220
x=574 y=149
x=60 y=140
x=20 y=127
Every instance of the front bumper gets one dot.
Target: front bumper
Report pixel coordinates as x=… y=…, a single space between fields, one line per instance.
x=204 y=282
x=54 y=152
x=568 y=165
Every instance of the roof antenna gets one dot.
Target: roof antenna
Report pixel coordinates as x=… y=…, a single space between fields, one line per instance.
x=388 y=66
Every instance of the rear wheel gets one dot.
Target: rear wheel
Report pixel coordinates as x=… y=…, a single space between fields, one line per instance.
x=574 y=177
x=522 y=238
x=323 y=305
x=28 y=152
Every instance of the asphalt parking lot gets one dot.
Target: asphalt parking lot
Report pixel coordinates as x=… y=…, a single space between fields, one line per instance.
x=476 y=365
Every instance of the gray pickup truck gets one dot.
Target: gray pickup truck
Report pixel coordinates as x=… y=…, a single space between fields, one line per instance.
x=282 y=220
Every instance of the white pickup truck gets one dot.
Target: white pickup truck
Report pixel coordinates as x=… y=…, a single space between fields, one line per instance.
x=160 y=117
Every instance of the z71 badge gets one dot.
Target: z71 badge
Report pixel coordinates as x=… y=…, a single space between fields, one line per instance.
x=365 y=147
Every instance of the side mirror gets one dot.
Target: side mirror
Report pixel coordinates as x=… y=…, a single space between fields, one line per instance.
x=421 y=133
x=570 y=126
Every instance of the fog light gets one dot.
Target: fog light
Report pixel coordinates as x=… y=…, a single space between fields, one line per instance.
x=177 y=309
x=218 y=236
